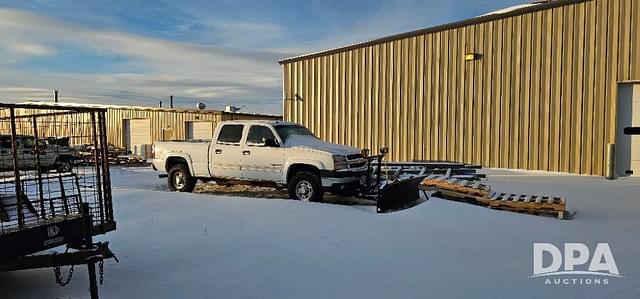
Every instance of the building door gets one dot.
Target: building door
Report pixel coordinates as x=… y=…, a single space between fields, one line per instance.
x=199 y=130
x=137 y=133
x=627 y=140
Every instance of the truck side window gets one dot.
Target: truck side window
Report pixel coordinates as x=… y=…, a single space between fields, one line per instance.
x=258 y=135
x=230 y=134
x=5 y=142
x=29 y=142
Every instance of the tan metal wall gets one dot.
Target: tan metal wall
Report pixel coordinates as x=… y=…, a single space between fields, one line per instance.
x=160 y=119
x=79 y=124
x=543 y=96
x=241 y=116
x=164 y=119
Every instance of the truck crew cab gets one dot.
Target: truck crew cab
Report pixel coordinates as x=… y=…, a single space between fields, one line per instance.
x=266 y=153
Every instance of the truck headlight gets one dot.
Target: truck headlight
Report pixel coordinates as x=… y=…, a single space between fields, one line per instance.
x=340 y=162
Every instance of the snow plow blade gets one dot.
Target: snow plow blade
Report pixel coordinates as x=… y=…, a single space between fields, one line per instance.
x=400 y=195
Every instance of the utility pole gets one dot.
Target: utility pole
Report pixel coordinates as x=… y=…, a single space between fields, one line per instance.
x=171 y=101
x=55 y=95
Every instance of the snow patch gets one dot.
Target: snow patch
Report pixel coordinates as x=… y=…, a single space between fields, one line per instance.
x=175 y=245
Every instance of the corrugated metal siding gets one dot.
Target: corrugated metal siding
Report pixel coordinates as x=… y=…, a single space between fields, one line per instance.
x=543 y=96
x=167 y=119
x=159 y=120
x=243 y=116
x=79 y=124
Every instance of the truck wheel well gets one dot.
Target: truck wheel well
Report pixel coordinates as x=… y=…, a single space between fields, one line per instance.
x=295 y=168
x=173 y=161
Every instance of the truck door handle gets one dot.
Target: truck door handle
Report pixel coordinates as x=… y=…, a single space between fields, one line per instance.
x=246 y=153
x=218 y=151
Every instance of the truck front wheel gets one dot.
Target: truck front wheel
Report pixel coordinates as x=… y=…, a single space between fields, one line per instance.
x=305 y=186
x=180 y=179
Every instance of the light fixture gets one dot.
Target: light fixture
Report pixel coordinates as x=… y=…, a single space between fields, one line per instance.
x=472 y=56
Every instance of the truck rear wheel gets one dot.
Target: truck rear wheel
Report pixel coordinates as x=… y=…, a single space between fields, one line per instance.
x=64 y=166
x=180 y=179
x=305 y=186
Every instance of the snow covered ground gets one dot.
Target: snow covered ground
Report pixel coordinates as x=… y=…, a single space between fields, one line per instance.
x=173 y=245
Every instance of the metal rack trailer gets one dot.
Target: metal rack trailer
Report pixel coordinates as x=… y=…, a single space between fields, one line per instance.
x=43 y=205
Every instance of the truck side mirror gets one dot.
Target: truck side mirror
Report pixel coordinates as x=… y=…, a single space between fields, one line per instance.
x=632 y=131
x=271 y=143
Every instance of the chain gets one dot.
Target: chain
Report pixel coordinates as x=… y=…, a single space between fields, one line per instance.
x=56 y=271
x=101 y=267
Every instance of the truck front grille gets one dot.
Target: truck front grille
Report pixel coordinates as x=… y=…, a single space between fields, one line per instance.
x=358 y=164
x=356 y=161
x=354 y=157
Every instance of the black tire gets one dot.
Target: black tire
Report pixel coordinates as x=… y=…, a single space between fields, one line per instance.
x=311 y=182
x=64 y=166
x=180 y=179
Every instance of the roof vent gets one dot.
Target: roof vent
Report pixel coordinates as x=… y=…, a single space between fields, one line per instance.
x=232 y=109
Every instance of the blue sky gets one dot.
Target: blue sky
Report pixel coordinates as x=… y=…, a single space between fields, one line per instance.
x=216 y=52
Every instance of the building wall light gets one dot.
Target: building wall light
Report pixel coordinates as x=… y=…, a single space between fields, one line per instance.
x=472 y=56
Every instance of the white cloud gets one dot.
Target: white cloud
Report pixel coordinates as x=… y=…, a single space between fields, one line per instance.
x=29 y=49
x=243 y=34
x=22 y=89
x=180 y=68
x=218 y=69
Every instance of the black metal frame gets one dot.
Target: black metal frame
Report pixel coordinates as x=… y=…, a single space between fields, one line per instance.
x=393 y=194
x=54 y=209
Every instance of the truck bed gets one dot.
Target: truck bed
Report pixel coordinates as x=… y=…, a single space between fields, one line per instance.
x=187 y=147
x=196 y=152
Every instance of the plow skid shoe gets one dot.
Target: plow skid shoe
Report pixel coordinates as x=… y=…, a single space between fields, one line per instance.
x=399 y=195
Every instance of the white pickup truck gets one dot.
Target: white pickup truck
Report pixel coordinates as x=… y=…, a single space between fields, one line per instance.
x=267 y=153
x=26 y=154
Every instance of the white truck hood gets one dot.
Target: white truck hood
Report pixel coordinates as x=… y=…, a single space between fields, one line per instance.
x=311 y=143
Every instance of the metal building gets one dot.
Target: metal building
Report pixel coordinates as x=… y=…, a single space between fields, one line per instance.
x=532 y=87
x=136 y=128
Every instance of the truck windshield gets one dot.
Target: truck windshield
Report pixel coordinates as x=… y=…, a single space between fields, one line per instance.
x=287 y=131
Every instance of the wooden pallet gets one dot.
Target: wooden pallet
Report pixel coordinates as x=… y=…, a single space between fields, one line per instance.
x=532 y=204
x=461 y=191
x=459 y=185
